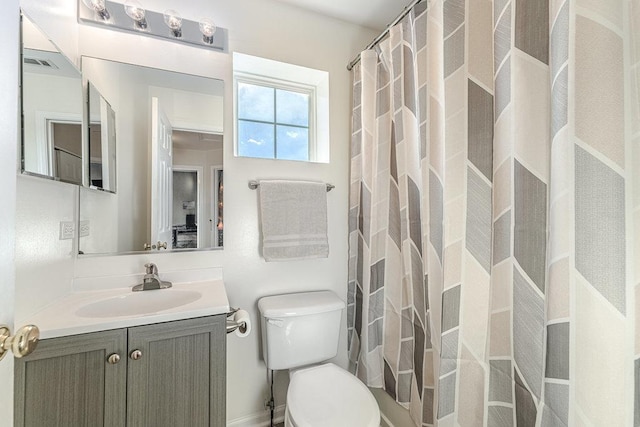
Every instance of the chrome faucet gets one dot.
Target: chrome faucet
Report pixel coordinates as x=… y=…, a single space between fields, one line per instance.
x=151 y=280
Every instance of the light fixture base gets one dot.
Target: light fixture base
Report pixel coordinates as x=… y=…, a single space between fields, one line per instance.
x=103 y=14
x=141 y=24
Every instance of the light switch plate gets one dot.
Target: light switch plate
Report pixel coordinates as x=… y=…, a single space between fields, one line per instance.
x=67 y=230
x=85 y=228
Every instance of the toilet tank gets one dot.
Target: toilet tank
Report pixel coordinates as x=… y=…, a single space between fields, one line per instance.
x=300 y=329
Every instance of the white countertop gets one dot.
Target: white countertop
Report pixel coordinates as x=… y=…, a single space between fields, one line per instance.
x=61 y=318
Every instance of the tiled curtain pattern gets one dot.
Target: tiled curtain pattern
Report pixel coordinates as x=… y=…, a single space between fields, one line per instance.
x=493 y=209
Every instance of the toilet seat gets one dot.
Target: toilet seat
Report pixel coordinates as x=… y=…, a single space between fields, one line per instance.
x=328 y=396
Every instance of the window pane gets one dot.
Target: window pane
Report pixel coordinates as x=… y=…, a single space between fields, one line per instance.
x=255 y=139
x=255 y=102
x=293 y=143
x=292 y=108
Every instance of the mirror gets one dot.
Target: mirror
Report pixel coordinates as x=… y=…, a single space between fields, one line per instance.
x=52 y=109
x=102 y=142
x=169 y=162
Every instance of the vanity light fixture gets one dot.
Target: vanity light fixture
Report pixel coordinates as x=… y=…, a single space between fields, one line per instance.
x=174 y=21
x=169 y=26
x=207 y=28
x=99 y=7
x=135 y=11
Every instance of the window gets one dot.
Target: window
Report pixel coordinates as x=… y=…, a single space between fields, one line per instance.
x=281 y=110
x=274 y=120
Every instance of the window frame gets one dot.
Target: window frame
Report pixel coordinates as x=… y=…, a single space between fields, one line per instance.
x=273 y=83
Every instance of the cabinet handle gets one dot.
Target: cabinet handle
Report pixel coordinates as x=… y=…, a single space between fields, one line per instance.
x=22 y=343
x=136 y=355
x=114 y=358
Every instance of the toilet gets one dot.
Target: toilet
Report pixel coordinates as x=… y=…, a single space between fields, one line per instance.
x=299 y=332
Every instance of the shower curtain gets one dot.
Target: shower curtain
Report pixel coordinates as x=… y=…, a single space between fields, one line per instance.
x=494 y=220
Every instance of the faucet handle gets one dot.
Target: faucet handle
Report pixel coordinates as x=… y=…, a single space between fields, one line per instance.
x=151 y=268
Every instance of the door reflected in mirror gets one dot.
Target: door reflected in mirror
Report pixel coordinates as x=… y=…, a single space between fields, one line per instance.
x=52 y=109
x=192 y=199
x=169 y=169
x=102 y=142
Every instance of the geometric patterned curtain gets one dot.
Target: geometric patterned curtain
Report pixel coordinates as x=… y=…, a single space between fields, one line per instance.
x=494 y=224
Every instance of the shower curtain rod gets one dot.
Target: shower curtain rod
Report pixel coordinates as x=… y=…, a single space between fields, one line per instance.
x=377 y=40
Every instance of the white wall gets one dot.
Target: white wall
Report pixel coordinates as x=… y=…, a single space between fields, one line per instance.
x=100 y=209
x=276 y=31
x=44 y=263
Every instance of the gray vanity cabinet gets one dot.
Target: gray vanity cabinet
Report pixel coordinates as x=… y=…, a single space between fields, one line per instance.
x=68 y=381
x=169 y=374
x=179 y=378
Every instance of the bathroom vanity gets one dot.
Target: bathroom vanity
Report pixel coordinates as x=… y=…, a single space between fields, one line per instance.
x=162 y=367
x=166 y=374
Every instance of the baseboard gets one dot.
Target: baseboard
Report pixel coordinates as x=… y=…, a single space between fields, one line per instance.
x=391 y=413
x=262 y=419
x=384 y=421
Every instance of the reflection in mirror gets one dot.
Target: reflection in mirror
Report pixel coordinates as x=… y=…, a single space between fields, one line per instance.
x=190 y=202
x=52 y=109
x=169 y=169
x=102 y=142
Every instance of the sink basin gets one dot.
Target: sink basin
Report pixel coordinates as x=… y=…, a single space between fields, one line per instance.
x=138 y=303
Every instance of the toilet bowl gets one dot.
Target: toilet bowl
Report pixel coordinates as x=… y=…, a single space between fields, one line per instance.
x=299 y=331
x=329 y=396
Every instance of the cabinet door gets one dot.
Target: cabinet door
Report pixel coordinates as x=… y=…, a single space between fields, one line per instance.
x=68 y=381
x=178 y=378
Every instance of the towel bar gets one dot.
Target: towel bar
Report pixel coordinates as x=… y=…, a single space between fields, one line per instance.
x=255 y=184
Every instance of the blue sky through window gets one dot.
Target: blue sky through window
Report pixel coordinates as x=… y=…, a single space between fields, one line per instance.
x=293 y=143
x=292 y=108
x=272 y=123
x=255 y=139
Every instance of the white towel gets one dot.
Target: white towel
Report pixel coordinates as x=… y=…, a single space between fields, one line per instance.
x=294 y=220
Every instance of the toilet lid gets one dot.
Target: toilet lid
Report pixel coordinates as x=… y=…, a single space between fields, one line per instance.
x=328 y=396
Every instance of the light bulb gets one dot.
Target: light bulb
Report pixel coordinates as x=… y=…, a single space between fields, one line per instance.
x=207 y=28
x=99 y=7
x=135 y=11
x=174 y=22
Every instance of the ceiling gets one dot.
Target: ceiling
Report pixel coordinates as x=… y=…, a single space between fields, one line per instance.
x=196 y=141
x=374 y=14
